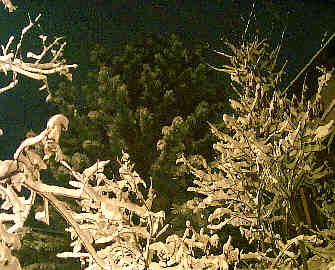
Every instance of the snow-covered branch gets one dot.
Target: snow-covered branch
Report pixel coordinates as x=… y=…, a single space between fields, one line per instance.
x=34 y=68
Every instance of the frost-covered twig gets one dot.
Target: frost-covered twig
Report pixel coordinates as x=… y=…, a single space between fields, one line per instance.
x=35 y=69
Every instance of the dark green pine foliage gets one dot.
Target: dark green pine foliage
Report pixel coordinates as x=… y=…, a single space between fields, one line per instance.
x=152 y=101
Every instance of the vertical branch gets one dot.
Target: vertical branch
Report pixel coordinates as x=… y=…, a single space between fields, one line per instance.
x=305 y=206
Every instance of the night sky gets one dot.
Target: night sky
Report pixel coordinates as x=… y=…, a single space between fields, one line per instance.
x=115 y=23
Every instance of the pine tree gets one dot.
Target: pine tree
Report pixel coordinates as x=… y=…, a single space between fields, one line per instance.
x=153 y=101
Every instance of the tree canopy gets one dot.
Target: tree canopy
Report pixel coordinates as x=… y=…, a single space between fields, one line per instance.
x=153 y=101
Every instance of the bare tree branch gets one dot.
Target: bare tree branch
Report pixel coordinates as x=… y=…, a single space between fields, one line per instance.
x=9 y=61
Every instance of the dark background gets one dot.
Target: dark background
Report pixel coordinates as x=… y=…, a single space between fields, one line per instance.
x=115 y=23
